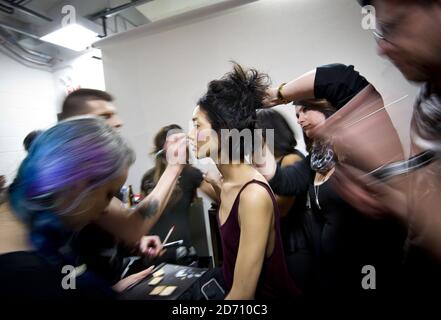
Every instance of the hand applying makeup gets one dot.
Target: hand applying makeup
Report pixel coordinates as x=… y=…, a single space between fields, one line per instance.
x=175 y=149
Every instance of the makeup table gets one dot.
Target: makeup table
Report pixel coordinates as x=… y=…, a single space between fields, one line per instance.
x=166 y=282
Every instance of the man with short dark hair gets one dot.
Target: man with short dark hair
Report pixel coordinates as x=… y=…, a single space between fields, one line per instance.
x=90 y=101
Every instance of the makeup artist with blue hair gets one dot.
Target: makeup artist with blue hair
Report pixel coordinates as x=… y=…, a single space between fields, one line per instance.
x=71 y=173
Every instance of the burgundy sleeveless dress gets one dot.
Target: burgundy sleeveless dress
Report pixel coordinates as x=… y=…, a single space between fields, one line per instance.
x=274 y=282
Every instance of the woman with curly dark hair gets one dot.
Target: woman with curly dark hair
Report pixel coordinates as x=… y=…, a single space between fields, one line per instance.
x=254 y=263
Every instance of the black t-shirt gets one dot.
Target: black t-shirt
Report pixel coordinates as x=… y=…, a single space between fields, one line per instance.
x=177 y=210
x=100 y=250
x=338 y=83
x=27 y=275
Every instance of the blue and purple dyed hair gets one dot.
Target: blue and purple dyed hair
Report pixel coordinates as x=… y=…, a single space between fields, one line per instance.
x=83 y=150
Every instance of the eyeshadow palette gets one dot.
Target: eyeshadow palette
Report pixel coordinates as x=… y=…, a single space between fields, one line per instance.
x=157 y=290
x=168 y=291
x=158 y=273
x=155 y=281
x=167 y=282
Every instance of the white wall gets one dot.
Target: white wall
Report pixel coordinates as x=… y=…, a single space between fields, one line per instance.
x=30 y=99
x=158 y=71
x=27 y=102
x=81 y=72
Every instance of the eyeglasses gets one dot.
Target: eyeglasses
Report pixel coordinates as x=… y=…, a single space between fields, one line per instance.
x=378 y=36
x=386 y=31
x=383 y=34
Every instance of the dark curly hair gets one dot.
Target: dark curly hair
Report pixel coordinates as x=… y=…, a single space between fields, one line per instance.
x=231 y=103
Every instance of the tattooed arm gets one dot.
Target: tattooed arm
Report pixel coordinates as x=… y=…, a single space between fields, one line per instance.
x=129 y=225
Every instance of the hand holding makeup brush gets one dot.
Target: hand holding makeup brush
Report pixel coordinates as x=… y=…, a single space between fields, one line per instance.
x=175 y=149
x=150 y=246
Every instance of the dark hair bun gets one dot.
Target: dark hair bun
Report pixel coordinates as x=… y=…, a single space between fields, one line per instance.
x=231 y=101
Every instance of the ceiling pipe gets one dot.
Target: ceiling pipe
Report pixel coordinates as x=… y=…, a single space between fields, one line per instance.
x=27 y=11
x=18 y=30
x=35 y=53
x=12 y=52
x=6 y=9
x=13 y=41
x=24 y=61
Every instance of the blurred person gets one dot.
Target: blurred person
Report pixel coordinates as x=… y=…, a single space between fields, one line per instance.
x=253 y=259
x=408 y=33
x=340 y=85
x=345 y=90
x=61 y=186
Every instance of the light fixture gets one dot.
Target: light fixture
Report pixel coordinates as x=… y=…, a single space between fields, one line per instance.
x=72 y=36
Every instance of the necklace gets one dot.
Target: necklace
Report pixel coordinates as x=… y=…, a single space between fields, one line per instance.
x=318 y=181
x=316 y=191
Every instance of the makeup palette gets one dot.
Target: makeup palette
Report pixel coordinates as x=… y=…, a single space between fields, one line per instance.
x=167 y=282
x=168 y=291
x=155 y=281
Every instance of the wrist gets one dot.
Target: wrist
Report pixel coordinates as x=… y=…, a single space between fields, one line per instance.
x=176 y=169
x=280 y=97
